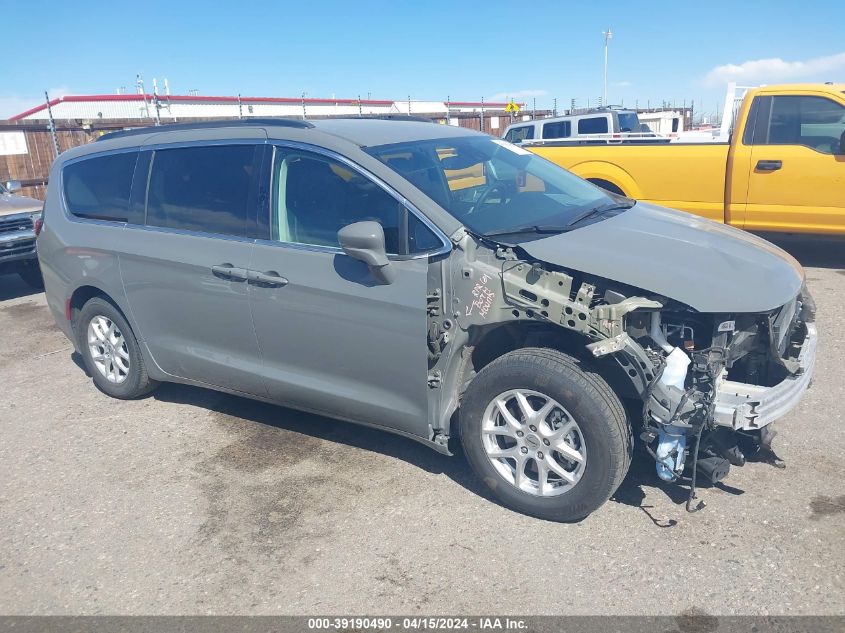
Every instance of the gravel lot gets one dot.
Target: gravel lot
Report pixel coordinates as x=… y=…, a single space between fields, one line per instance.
x=193 y=502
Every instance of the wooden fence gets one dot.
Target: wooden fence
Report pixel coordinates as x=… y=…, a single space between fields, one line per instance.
x=33 y=167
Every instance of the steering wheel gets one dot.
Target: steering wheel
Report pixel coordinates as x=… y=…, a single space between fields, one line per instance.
x=487 y=193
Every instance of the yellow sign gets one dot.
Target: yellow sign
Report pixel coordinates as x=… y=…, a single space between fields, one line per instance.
x=512 y=107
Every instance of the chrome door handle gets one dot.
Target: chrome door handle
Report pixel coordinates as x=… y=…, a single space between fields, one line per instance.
x=228 y=271
x=270 y=279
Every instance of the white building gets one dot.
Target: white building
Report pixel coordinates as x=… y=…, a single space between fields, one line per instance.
x=175 y=107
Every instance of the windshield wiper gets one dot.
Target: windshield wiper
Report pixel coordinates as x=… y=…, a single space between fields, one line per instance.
x=559 y=228
x=532 y=228
x=602 y=208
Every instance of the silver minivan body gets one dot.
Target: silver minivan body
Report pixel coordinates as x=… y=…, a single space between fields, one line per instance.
x=310 y=325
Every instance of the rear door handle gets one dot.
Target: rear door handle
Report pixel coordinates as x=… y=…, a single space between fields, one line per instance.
x=270 y=279
x=228 y=271
x=769 y=165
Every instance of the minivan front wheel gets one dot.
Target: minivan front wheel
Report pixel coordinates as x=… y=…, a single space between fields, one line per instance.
x=545 y=433
x=110 y=351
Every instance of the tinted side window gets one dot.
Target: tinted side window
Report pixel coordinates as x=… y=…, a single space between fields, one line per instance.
x=558 y=129
x=203 y=189
x=420 y=237
x=594 y=125
x=815 y=122
x=98 y=188
x=315 y=196
x=519 y=134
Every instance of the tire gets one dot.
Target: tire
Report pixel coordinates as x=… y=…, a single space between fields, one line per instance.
x=32 y=276
x=118 y=371
x=608 y=186
x=601 y=435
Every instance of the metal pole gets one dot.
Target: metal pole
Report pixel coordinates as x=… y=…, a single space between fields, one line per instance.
x=303 y=105
x=554 y=109
x=52 y=124
x=409 y=105
x=608 y=35
x=360 y=111
x=534 y=110
x=481 y=118
x=240 y=107
x=448 y=110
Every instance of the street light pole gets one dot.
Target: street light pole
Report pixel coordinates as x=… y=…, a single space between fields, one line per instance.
x=608 y=35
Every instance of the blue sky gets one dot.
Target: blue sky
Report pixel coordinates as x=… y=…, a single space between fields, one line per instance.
x=672 y=51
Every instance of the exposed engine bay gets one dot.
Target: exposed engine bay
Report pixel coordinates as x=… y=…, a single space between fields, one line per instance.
x=710 y=384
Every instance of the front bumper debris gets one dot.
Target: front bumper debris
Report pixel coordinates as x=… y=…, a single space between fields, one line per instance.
x=743 y=406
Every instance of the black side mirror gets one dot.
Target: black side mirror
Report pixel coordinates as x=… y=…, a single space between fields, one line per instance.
x=364 y=241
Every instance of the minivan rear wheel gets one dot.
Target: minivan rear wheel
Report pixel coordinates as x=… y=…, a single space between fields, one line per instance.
x=110 y=351
x=546 y=434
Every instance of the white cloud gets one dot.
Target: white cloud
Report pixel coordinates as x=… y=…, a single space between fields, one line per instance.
x=623 y=84
x=518 y=95
x=776 y=69
x=13 y=104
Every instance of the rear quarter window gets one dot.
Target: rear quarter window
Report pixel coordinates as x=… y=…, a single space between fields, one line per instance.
x=98 y=188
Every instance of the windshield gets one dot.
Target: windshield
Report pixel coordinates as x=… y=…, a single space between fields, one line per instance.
x=490 y=185
x=629 y=122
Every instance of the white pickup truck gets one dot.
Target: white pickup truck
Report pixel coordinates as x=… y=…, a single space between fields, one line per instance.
x=20 y=218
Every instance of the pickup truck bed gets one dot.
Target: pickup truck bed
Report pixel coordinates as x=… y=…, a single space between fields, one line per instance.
x=690 y=177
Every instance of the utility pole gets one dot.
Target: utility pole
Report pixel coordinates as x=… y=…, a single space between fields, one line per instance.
x=608 y=35
x=51 y=124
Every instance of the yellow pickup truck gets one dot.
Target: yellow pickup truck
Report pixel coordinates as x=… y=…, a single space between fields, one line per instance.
x=782 y=170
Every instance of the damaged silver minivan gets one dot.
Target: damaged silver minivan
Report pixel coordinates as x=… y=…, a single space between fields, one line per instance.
x=434 y=282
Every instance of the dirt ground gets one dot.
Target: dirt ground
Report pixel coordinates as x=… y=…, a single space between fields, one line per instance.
x=193 y=502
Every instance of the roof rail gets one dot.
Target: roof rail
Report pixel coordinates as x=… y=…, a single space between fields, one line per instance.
x=386 y=117
x=198 y=125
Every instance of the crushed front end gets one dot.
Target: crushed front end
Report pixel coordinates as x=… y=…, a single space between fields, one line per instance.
x=708 y=384
x=720 y=383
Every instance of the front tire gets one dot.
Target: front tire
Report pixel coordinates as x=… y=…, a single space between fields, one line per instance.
x=111 y=352
x=546 y=434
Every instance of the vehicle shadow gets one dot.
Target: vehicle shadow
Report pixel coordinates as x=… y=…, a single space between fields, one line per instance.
x=228 y=407
x=642 y=481
x=816 y=251
x=13 y=287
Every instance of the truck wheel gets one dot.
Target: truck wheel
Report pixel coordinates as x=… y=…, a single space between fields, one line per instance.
x=546 y=434
x=110 y=351
x=32 y=276
x=608 y=186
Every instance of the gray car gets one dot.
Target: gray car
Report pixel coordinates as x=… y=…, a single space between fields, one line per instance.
x=430 y=281
x=20 y=216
